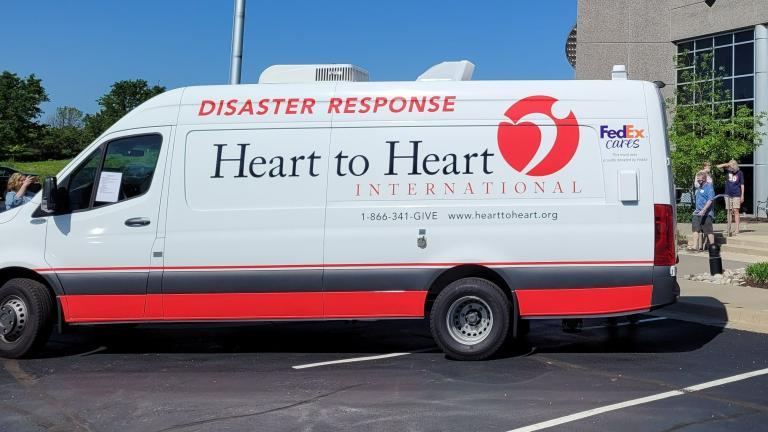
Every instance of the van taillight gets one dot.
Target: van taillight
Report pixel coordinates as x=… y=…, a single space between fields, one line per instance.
x=664 y=253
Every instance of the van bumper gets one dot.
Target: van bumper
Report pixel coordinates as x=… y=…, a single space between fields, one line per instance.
x=666 y=290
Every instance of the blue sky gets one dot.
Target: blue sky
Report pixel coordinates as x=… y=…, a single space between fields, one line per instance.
x=79 y=48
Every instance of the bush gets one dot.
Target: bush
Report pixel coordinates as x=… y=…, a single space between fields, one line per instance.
x=757 y=274
x=721 y=216
x=685 y=214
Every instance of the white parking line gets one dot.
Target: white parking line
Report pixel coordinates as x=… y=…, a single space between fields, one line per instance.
x=640 y=401
x=625 y=323
x=351 y=360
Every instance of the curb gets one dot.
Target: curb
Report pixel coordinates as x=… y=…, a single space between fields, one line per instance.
x=732 y=316
x=726 y=256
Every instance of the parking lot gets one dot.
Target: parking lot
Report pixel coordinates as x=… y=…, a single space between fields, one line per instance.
x=386 y=376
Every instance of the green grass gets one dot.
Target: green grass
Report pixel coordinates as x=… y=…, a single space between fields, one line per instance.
x=42 y=168
x=757 y=274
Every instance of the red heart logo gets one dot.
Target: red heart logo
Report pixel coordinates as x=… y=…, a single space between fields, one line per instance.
x=518 y=143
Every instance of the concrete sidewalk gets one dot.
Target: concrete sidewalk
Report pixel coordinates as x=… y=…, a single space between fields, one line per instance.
x=743 y=308
x=750 y=246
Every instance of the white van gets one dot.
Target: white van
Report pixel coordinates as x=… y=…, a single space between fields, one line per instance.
x=477 y=204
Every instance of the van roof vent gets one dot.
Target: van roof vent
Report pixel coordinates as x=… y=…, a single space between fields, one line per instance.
x=619 y=72
x=449 y=71
x=312 y=73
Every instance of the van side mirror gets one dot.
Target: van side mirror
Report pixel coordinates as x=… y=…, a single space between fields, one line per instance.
x=50 y=190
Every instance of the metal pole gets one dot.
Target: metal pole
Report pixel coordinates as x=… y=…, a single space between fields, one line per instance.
x=238 y=26
x=761 y=105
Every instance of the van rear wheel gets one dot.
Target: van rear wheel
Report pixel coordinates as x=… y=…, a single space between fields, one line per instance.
x=26 y=319
x=470 y=319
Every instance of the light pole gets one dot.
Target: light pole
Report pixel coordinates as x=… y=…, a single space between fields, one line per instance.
x=238 y=26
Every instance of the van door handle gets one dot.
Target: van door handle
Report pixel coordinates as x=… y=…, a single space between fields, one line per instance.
x=137 y=222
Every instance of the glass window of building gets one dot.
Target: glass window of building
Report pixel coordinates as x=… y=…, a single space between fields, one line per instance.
x=733 y=61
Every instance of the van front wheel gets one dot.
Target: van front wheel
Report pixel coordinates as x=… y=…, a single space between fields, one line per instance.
x=470 y=319
x=26 y=318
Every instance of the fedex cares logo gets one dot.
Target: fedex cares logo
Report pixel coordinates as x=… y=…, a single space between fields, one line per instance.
x=626 y=136
x=520 y=140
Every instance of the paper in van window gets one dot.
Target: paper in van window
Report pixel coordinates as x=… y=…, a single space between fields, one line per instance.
x=109 y=187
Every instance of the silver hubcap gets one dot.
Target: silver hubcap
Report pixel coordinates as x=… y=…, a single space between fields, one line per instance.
x=469 y=320
x=13 y=318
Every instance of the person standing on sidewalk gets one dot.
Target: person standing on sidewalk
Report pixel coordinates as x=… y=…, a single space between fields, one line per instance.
x=734 y=190
x=704 y=214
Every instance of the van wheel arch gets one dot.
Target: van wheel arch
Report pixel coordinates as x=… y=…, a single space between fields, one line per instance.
x=472 y=270
x=9 y=273
x=466 y=271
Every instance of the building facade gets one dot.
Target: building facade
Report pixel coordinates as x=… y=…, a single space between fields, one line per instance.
x=647 y=36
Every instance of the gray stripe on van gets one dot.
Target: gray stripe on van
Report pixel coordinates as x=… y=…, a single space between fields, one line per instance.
x=575 y=277
x=104 y=283
x=350 y=280
x=234 y=281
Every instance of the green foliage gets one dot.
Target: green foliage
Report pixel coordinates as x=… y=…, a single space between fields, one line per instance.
x=758 y=273
x=67 y=116
x=68 y=130
x=20 y=100
x=704 y=129
x=64 y=136
x=43 y=168
x=121 y=99
x=685 y=214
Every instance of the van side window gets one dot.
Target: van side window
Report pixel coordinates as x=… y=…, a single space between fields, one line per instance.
x=131 y=162
x=81 y=181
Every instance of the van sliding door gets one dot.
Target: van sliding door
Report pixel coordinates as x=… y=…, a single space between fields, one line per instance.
x=244 y=232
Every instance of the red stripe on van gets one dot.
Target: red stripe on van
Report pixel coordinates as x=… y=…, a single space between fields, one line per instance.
x=103 y=308
x=382 y=304
x=244 y=306
x=583 y=301
x=234 y=306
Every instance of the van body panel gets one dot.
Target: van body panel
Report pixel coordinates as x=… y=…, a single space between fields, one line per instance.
x=246 y=211
x=349 y=200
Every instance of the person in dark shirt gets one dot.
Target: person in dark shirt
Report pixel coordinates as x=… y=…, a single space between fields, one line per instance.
x=734 y=189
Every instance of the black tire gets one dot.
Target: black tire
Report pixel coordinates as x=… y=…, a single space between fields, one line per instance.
x=38 y=320
x=467 y=291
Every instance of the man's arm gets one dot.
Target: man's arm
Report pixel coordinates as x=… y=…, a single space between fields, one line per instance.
x=704 y=209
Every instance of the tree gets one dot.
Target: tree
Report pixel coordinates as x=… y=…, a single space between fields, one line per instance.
x=703 y=126
x=20 y=100
x=66 y=116
x=64 y=137
x=122 y=97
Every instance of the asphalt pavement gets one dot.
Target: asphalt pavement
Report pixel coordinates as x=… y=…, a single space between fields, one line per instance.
x=387 y=376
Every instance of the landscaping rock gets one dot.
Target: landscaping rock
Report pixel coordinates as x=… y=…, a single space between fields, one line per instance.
x=728 y=277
